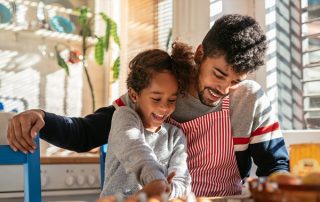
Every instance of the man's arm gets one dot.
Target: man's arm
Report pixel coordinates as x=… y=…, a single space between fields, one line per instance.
x=267 y=146
x=77 y=134
x=256 y=131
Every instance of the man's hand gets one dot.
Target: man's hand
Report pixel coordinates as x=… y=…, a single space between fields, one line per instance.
x=22 y=128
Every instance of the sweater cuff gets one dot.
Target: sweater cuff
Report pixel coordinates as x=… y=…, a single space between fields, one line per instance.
x=48 y=121
x=152 y=176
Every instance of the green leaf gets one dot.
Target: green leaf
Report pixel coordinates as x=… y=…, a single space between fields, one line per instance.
x=104 y=17
x=114 y=33
x=83 y=18
x=99 y=51
x=61 y=61
x=84 y=22
x=113 y=28
x=107 y=35
x=168 y=39
x=116 y=68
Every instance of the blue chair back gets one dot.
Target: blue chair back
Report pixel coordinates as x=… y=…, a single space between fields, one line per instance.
x=31 y=162
x=103 y=153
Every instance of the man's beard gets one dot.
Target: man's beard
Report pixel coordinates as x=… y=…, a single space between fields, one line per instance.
x=201 y=93
x=205 y=102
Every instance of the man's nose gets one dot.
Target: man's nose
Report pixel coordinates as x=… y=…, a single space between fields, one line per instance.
x=224 y=88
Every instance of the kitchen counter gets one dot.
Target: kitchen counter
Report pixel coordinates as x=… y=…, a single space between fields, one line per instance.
x=224 y=199
x=70 y=159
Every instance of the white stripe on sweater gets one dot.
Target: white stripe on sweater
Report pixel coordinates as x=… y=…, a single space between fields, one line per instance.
x=266 y=137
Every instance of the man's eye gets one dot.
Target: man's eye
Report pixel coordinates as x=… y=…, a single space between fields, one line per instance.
x=218 y=76
x=234 y=83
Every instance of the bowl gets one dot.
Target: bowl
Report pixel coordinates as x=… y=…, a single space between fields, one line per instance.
x=5 y=14
x=61 y=24
x=264 y=191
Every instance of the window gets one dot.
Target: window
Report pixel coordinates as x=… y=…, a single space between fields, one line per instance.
x=145 y=25
x=311 y=61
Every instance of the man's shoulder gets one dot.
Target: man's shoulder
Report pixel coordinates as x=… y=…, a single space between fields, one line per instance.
x=249 y=85
x=248 y=93
x=247 y=89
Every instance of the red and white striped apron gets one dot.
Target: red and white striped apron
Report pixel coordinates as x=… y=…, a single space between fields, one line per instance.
x=211 y=158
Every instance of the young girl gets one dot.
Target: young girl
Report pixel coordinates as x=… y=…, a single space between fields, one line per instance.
x=143 y=150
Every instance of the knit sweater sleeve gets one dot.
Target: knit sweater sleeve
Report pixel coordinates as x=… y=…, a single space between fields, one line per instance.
x=77 y=133
x=267 y=146
x=181 y=183
x=127 y=141
x=256 y=131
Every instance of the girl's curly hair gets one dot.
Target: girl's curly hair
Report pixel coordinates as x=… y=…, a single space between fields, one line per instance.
x=180 y=63
x=240 y=39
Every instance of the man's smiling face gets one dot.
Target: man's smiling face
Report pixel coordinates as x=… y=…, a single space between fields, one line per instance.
x=215 y=80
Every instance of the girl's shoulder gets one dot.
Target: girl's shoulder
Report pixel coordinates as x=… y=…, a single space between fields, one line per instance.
x=124 y=113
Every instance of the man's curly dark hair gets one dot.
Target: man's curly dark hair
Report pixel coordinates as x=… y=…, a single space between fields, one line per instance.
x=240 y=39
x=180 y=63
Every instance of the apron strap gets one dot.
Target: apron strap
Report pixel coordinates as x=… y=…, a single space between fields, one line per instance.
x=225 y=103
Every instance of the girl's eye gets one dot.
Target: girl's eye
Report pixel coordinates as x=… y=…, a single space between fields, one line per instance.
x=156 y=99
x=172 y=101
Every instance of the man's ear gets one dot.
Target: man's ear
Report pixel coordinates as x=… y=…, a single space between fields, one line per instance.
x=198 y=56
x=133 y=95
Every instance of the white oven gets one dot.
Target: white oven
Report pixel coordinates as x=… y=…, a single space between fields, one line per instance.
x=60 y=182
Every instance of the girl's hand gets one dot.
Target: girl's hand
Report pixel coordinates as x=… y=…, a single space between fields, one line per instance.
x=158 y=188
x=155 y=188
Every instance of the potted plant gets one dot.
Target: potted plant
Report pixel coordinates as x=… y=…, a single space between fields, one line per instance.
x=101 y=46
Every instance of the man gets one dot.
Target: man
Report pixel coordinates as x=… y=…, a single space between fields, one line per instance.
x=227 y=121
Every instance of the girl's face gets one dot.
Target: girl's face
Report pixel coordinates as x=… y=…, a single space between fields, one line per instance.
x=156 y=102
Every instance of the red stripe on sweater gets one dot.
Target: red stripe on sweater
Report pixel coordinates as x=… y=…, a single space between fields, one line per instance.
x=119 y=102
x=266 y=129
x=241 y=140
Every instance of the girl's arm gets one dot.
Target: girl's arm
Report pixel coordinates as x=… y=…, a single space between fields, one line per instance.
x=181 y=182
x=127 y=141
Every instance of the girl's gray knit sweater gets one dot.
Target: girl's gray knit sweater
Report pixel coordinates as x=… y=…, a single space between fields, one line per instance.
x=129 y=165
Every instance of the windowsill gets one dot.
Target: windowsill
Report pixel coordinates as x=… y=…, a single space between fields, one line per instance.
x=301 y=136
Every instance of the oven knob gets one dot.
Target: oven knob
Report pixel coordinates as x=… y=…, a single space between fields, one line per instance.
x=81 y=179
x=91 y=179
x=44 y=180
x=69 y=180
